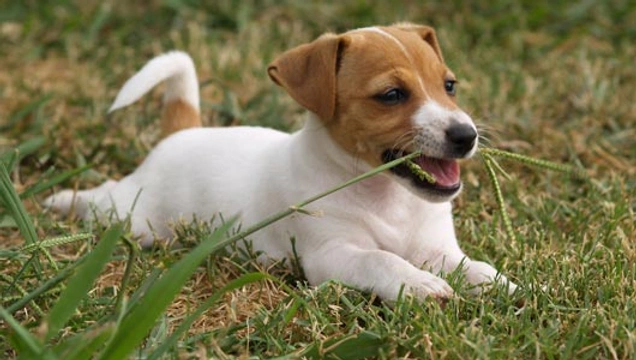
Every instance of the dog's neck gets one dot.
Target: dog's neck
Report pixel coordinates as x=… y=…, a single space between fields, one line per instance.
x=313 y=146
x=319 y=149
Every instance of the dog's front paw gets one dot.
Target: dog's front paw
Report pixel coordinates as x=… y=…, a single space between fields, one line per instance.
x=482 y=277
x=426 y=285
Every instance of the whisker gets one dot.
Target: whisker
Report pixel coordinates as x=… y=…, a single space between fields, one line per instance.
x=356 y=162
x=404 y=140
x=487 y=133
x=484 y=140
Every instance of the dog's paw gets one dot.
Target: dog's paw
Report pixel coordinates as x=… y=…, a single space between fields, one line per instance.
x=426 y=285
x=61 y=201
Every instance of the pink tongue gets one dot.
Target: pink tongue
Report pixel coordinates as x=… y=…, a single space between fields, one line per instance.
x=446 y=172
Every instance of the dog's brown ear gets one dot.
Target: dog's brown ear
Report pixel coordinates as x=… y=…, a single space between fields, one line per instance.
x=308 y=74
x=427 y=33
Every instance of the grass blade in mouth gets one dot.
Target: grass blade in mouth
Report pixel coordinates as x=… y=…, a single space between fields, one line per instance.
x=417 y=170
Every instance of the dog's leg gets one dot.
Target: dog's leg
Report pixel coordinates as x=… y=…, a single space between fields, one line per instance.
x=112 y=202
x=79 y=201
x=376 y=270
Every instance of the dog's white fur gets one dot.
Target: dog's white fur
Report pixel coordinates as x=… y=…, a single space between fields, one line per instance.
x=374 y=235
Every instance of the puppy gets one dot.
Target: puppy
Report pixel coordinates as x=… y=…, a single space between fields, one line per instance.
x=372 y=95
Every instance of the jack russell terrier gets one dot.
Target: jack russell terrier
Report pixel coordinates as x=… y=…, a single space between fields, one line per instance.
x=373 y=95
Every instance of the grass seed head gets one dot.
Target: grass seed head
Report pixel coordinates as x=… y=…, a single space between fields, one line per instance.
x=417 y=170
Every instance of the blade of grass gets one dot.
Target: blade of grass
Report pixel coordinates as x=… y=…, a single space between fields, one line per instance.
x=358 y=346
x=14 y=205
x=31 y=107
x=139 y=293
x=490 y=169
x=29 y=343
x=47 y=184
x=48 y=285
x=14 y=285
x=11 y=158
x=7 y=221
x=132 y=254
x=85 y=344
x=79 y=285
x=99 y=20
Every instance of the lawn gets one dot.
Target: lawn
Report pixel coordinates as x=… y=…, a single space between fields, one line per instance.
x=551 y=80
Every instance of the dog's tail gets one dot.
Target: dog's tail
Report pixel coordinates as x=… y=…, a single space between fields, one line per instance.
x=181 y=97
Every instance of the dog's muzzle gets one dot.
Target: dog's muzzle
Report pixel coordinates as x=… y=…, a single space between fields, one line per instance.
x=460 y=142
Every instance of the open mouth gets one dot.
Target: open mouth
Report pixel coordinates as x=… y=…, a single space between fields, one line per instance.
x=444 y=179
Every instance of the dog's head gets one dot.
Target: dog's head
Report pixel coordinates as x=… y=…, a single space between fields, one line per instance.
x=383 y=92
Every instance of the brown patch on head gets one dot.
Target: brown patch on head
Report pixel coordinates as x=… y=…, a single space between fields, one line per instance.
x=345 y=80
x=178 y=115
x=377 y=61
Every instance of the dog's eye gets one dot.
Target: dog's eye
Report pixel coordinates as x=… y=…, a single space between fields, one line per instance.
x=392 y=97
x=449 y=86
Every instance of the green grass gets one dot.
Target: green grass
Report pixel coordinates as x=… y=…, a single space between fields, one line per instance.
x=551 y=80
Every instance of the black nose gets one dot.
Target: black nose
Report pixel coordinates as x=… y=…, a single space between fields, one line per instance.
x=462 y=138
